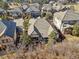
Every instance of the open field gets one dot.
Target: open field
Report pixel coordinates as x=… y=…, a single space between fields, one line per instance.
x=71 y=38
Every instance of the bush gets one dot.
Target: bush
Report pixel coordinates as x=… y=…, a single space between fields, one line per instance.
x=43 y=14
x=49 y=15
x=52 y=38
x=53 y=35
x=75 y=31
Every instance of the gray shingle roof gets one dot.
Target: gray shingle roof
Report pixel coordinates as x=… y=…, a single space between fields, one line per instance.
x=1 y=10
x=37 y=5
x=16 y=10
x=24 y=7
x=42 y=26
x=32 y=9
x=47 y=7
x=71 y=15
x=67 y=15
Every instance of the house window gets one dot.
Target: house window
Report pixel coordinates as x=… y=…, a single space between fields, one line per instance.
x=65 y=22
x=3 y=41
x=72 y=22
x=7 y=40
x=64 y=25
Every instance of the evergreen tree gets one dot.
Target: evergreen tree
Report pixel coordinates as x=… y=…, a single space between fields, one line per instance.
x=26 y=38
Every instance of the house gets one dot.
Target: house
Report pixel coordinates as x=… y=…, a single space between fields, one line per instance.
x=19 y=22
x=77 y=1
x=31 y=26
x=46 y=8
x=51 y=2
x=15 y=13
x=65 y=20
x=24 y=7
x=63 y=1
x=7 y=34
x=39 y=28
x=35 y=12
x=19 y=25
x=37 y=5
x=58 y=6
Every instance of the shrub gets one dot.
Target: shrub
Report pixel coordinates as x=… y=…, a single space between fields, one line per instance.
x=52 y=35
x=49 y=15
x=75 y=31
x=52 y=38
x=43 y=14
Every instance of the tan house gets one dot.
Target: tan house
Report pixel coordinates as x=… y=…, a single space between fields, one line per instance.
x=39 y=28
x=66 y=19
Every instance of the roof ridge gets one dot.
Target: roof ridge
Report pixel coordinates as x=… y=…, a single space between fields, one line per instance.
x=65 y=14
x=36 y=21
